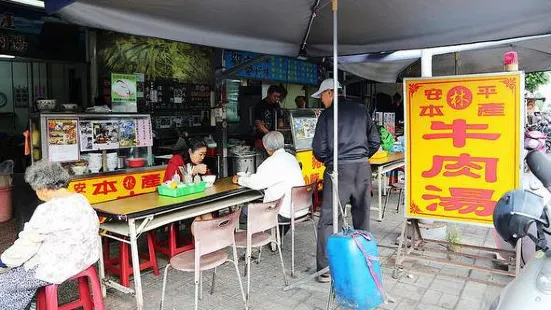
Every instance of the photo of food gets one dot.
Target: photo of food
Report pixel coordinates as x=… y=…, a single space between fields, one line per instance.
x=62 y=132
x=305 y=128
x=105 y=135
x=127 y=129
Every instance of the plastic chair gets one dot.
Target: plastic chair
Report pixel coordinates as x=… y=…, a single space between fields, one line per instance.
x=47 y=296
x=301 y=199
x=211 y=240
x=260 y=218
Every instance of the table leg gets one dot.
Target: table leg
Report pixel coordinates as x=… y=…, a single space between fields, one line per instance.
x=380 y=191
x=135 y=264
x=101 y=268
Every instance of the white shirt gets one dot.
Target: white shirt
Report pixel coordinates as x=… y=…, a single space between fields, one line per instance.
x=277 y=174
x=66 y=233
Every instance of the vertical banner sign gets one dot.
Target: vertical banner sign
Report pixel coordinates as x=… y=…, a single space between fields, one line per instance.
x=463 y=152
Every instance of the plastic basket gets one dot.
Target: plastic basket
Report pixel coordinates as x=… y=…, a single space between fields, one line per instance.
x=183 y=191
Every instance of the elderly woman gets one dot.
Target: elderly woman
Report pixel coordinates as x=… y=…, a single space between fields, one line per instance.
x=278 y=174
x=60 y=240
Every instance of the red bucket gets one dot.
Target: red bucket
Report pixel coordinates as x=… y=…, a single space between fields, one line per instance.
x=6 y=210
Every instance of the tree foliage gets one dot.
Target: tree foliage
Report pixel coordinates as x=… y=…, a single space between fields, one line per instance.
x=534 y=80
x=157 y=58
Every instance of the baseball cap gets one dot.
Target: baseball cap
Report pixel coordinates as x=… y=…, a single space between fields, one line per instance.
x=325 y=85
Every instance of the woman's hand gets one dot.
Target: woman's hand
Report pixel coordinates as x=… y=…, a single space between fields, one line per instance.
x=235 y=179
x=199 y=169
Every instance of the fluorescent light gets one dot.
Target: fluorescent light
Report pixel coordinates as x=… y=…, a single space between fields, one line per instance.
x=35 y=3
x=7 y=56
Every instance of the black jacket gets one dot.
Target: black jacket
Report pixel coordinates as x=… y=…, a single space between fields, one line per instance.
x=358 y=135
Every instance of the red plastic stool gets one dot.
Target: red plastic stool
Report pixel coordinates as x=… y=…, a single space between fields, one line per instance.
x=170 y=246
x=121 y=265
x=47 y=296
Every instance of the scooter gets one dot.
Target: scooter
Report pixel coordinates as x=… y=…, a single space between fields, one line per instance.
x=514 y=213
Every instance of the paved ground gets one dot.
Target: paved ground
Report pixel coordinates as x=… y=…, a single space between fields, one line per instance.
x=420 y=286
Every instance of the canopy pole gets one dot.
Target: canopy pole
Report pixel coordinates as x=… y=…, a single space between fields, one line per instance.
x=335 y=5
x=426 y=63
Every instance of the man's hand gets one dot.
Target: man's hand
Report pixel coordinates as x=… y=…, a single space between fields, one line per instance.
x=235 y=179
x=200 y=169
x=261 y=127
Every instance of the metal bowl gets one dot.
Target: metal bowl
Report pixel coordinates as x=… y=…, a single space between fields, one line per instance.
x=44 y=105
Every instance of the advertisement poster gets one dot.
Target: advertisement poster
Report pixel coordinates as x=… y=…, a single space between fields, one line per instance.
x=143 y=132
x=127 y=133
x=62 y=140
x=86 y=136
x=105 y=135
x=124 y=93
x=463 y=135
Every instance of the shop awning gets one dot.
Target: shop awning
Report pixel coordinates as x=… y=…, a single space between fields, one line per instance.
x=279 y=27
x=534 y=55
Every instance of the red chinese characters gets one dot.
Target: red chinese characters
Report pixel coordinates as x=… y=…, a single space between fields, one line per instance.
x=433 y=94
x=463 y=164
x=129 y=182
x=315 y=163
x=459 y=132
x=459 y=97
x=487 y=90
x=105 y=187
x=79 y=187
x=463 y=200
x=431 y=110
x=491 y=109
x=151 y=180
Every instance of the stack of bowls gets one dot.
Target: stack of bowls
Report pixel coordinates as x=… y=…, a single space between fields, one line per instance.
x=94 y=162
x=112 y=161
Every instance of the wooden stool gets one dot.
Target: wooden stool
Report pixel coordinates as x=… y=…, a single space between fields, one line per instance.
x=47 y=296
x=121 y=265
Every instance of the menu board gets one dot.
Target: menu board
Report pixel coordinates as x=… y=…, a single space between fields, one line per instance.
x=62 y=140
x=273 y=68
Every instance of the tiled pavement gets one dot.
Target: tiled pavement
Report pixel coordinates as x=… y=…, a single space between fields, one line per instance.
x=420 y=286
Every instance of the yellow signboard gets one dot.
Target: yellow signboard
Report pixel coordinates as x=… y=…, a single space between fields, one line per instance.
x=463 y=149
x=106 y=188
x=312 y=169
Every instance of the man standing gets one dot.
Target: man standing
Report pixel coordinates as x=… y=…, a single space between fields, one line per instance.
x=358 y=140
x=266 y=114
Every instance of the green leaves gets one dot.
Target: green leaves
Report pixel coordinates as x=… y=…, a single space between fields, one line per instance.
x=157 y=58
x=534 y=79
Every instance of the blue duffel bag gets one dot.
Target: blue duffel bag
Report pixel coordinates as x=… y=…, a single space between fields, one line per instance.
x=355 y=269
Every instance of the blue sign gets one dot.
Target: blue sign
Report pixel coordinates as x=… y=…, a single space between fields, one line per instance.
x=273 y=68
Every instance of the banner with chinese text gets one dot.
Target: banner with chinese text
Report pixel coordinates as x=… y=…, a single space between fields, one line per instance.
x=463 y=151
x=106 y=188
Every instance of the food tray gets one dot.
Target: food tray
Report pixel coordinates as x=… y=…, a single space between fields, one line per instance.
x=179 y=192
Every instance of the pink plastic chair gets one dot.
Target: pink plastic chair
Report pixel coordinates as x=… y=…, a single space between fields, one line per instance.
x=301 y=199
x=212 y=237
x=260 y=218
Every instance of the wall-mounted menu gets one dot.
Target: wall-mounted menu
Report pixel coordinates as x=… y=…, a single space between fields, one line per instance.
x=143 y=132
x=62 y=140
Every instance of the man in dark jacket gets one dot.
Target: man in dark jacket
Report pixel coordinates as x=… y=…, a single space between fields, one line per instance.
x=358 y=139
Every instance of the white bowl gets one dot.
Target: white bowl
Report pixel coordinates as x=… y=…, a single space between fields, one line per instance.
x=209 y=179
x=79 y=170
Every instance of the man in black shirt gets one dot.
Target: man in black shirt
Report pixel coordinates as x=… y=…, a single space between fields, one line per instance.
x=266 y=113
x=358 y=140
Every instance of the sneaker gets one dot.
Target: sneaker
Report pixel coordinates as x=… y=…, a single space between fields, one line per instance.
x=324 y=278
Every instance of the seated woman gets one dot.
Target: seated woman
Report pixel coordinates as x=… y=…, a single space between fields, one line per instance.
x=193 y=155
x=277 y=175
x=59 y=241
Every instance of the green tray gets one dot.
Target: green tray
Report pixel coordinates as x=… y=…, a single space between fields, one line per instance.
x=179 y=192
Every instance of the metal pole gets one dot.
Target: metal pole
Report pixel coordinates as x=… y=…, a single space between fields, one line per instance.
x=426 y=63
x=335 y=121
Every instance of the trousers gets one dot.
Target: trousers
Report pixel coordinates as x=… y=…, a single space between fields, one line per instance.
x=354 y=186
